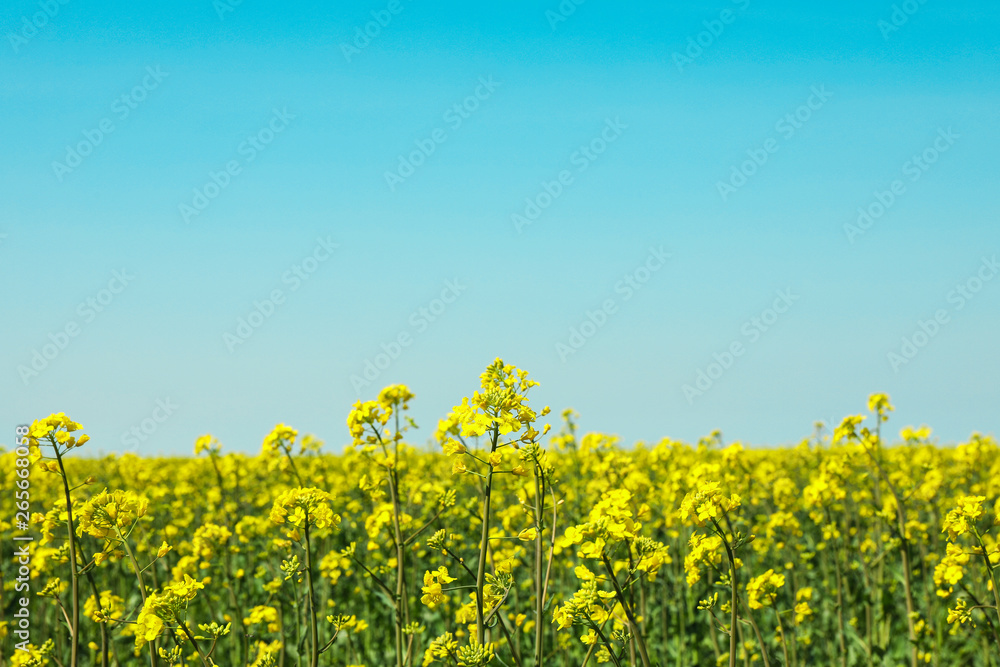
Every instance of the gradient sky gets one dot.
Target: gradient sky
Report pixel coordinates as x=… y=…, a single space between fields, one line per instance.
x=894 y=80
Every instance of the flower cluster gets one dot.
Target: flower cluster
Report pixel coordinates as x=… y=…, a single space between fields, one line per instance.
x=302 y=507
x=109 y=514
x=707 y=504
x=763 y=589
x=164 y=608
x=433 y=593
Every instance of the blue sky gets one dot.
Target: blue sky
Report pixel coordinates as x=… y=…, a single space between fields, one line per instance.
x=675 y=174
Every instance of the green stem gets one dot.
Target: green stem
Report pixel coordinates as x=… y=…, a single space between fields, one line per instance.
x=905 y=549
x=197 y=648
x=760 y=638
x=607 y=644
x=734 y=601
x=401 y=616
x=142 y=587
x=781 y=630
x=400 y=569
x=633 y=625
x=74 y=581
x=484 y=544
x=295 y=470
x=104 y=626
x=593 y=647
x=539 y=576
x=510 y=642
x=989 y=571
x=840 y=611
x=313 y=630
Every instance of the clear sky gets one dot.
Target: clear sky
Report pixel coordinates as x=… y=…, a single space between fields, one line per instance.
x=745 y=215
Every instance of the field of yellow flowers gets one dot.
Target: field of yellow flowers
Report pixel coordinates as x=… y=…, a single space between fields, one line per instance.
x=506 y=543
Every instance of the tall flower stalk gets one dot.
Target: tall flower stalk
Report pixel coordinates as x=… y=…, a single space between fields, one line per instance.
x=367 y=423
x=707 y=507
x=56 y=431
x=300 y=511
x=499 y=412
x=871 y=442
